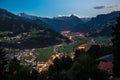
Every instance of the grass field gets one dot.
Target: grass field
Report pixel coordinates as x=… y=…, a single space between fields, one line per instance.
x=103 y=40
x=44 y=53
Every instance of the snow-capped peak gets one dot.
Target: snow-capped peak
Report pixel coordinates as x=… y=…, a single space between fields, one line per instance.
x=69 y=15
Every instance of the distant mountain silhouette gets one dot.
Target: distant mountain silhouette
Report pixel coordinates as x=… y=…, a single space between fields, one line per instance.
x=37 y=35
x=100 y=25
x=72 y=20
x=57 y=23
x=104 y=30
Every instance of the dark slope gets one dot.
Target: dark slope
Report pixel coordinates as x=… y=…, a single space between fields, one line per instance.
x=104 y=30
x=101 y=24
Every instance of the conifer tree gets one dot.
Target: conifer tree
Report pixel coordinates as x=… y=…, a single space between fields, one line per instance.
x=3 y=63
x=116 y=48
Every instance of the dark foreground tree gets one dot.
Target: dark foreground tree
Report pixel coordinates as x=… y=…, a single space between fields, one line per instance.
x=16 y=71
x=116 y=48
x=3 y=63
x=94 y=51
x=59 y=69
x=78 y=53
x=66 y=62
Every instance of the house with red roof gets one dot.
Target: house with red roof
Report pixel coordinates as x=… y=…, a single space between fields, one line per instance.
x=105 y=63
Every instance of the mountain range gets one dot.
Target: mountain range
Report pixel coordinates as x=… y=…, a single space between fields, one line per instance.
x=101 y=25
x=16 y=32
x=56 y=23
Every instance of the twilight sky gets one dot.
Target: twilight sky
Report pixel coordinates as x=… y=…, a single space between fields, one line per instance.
x=53 y=8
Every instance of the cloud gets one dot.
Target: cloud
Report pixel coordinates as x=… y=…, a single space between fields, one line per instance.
x=99 y=7
x=103 y=7
x=64 y=15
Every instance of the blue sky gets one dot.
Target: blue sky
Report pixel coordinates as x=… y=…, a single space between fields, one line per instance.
x=54 y=8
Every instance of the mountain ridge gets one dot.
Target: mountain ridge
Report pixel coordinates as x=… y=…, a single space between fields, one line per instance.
x=92 y=26
x=58 y=23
